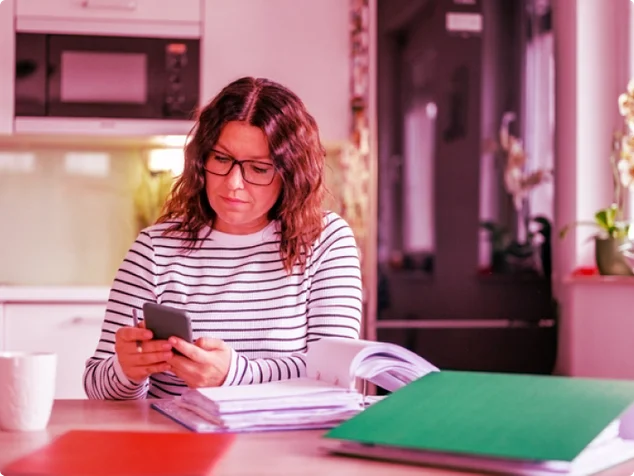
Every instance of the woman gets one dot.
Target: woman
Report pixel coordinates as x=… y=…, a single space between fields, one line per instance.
x=244 y=247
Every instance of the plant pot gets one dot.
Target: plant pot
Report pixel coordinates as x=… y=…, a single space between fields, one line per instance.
x=609 y=258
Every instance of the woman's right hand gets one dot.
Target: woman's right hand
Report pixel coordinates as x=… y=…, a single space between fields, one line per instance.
x=139 y=362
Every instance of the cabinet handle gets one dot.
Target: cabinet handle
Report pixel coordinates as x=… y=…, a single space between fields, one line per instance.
x=81 y=320
x=110 y=4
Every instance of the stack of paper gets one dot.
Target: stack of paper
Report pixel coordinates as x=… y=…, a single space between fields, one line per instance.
x=325 y=397
x=291 y=404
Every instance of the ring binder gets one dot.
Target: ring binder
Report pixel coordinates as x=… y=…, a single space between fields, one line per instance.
x=493 y=422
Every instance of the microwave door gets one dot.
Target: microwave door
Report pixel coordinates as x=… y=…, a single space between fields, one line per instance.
x=110 y=77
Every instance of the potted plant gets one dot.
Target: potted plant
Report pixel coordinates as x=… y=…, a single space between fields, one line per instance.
x=505 y=250
x=512 y=251
x=612 y=241
x=609 y=242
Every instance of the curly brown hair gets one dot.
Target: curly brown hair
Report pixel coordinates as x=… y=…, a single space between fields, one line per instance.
x=296 y=151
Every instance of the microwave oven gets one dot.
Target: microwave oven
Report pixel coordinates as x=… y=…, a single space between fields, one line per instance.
x=109 y=77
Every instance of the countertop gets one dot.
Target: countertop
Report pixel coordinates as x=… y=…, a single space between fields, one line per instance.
x=79 y=294
x=265 y=453
x=600 y=280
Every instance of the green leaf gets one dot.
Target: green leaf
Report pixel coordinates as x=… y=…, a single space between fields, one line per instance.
x=603 y=219
x=566 y=229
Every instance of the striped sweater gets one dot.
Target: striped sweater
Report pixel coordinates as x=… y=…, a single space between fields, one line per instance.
x=233 y=287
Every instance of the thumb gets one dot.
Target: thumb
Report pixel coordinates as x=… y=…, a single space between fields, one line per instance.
x=209 y=343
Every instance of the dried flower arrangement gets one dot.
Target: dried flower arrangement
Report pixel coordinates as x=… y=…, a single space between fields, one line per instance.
x=354 y=161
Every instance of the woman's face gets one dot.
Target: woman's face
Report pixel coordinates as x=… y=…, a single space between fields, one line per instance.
x=241 y=207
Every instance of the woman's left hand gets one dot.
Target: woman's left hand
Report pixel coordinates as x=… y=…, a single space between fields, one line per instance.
x=205 y=363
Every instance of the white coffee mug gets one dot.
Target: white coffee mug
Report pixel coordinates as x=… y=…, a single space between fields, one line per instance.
x=27 y=390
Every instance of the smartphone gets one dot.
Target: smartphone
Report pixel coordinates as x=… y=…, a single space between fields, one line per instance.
x=165 y=322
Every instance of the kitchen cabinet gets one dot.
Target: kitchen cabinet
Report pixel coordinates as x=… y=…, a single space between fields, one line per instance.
x=66 y=321
x=303 y=45
x=7 y=57
x=144 y=18
x=70 y=330
x=111 y=10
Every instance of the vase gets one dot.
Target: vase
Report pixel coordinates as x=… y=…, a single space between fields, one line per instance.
x=609 y=257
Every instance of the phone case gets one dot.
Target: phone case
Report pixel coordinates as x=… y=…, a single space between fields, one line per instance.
x=165 y=321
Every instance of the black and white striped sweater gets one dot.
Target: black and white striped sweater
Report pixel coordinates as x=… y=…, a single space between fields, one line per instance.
x=233 y=287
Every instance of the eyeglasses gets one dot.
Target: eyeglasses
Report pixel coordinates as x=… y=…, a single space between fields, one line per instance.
x=253 y=171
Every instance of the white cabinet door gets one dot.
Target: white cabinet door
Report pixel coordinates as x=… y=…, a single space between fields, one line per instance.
x=1 y=326
x=301 y=44
x=7 y=70
x=141 y=18
x=70 y=330
x=127 y=10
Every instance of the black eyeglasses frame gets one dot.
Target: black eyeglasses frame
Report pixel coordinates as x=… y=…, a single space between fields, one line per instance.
x=240 y=163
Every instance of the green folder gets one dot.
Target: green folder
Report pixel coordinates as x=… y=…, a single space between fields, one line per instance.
x=508 y=416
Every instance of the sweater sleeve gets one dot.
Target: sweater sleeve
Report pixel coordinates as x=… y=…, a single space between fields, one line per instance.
x=334 y=308
x=134 y=284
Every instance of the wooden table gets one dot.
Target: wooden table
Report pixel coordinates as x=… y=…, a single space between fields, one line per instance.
x=293 y=452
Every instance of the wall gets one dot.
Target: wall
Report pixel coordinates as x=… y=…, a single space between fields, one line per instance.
x=67 y=214
x=304 y=45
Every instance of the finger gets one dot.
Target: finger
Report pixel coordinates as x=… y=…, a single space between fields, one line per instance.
x=142 y=365
x=126 y=349
x=183 y=364
x=185 y=369
x=143 y=372
x=150 y=358
x=191 y=351
x=150 y=346
x=209 y=343
x=129 y=334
